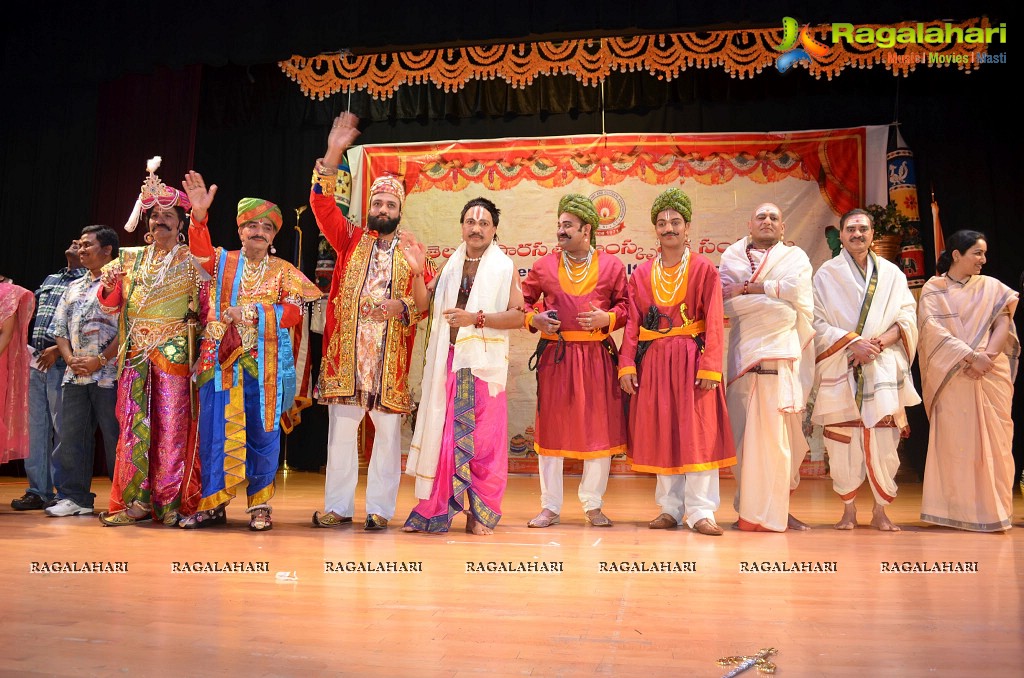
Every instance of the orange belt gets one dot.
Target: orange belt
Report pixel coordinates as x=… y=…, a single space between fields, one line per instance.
x=690 y=330
x=575 y=335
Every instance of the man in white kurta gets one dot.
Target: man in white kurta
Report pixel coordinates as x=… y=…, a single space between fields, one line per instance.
x=768 y=300
x=864 y=316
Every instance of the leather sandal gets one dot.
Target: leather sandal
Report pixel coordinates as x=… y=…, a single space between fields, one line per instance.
x=330 y=519
x=260 y=520
x=663 y=522
x=597 y=518
x=706 y=526
x=545 y=518
x=137 y=512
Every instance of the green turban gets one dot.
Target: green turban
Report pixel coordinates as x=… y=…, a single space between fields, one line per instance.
x=581 y=206
x=251 y=209
x=672 y=199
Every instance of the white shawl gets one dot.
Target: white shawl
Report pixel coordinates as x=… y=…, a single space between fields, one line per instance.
x=839 y=293
x=776 y=325
x=483 y=350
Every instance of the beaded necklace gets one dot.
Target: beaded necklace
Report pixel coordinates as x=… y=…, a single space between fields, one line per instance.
x=577 y=270
x=667 y=282
x=252 y=275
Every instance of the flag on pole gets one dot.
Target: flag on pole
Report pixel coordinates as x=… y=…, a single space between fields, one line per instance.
x=902 y=183
x=940 y=240
x=300 y=348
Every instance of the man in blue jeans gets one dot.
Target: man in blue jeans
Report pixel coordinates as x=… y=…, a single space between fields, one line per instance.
x=44 y=395
x=87 y=338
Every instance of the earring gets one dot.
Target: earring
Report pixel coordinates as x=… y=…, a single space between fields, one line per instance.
x=148 y=238
x=181 y=237
x=273 y=250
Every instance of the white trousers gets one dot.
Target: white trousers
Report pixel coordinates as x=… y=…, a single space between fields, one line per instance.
x=384 y=473
x=693 y=495
x=593 y=482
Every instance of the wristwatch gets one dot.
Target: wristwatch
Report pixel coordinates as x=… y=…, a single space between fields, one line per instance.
x=103 y=360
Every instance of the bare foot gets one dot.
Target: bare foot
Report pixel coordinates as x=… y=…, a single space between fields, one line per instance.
x=794 y=524
x=409 y=528
x=880 y=521
x=849 y=519
x=474 y=526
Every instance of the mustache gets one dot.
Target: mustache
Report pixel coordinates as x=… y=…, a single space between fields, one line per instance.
x=258 y=237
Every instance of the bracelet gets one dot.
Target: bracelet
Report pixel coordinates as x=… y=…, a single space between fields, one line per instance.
x=479 y=319
x=746 y=287
x=103 y=360
x=324 y=170
x=325 y=178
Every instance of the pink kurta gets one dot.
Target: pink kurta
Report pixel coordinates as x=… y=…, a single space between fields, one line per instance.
x=580 y=411
x=674 y=426
x=14 y=363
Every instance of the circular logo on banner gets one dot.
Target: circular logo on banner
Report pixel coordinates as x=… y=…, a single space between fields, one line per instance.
x=611 y=210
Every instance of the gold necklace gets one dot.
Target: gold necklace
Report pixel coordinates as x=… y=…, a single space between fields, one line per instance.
x=667 y=282
x=252 y=275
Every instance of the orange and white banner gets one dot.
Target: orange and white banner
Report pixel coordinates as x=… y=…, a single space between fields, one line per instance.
x=814 y=176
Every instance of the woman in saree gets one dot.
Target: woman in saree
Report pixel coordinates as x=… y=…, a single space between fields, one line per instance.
x=968 y=353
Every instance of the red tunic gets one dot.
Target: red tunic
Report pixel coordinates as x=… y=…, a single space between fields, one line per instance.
x=580 y=411
x=675 y=427
x=337 y=372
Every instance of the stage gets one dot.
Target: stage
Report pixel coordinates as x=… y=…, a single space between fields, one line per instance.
x=569 y=600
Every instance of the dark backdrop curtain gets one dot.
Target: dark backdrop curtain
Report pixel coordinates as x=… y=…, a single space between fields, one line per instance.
x=141 y=116
x=255 y=134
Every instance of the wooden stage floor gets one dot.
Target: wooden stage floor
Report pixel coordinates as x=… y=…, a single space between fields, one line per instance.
x=446 y=621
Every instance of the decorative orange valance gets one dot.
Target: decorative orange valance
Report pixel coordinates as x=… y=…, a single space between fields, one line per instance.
x=741 y=53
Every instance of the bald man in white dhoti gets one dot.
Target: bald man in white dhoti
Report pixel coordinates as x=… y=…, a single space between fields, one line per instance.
x=768 y=300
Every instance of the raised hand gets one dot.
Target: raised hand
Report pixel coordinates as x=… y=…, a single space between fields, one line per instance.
x=200 y=197
x=414 y=252
x=344 y=132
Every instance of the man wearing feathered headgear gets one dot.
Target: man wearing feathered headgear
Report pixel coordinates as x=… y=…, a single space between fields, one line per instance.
x=154 y=291
x=377 y=297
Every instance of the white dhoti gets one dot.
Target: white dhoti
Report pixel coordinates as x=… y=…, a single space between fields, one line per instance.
x=857 y=454
x=863 y=407
x=771 y=370
x=770 y=446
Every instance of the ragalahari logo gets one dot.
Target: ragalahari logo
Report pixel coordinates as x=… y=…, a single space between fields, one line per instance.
x=809 y=49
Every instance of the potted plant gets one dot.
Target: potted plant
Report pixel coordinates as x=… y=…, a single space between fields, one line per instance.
x=890 y=228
